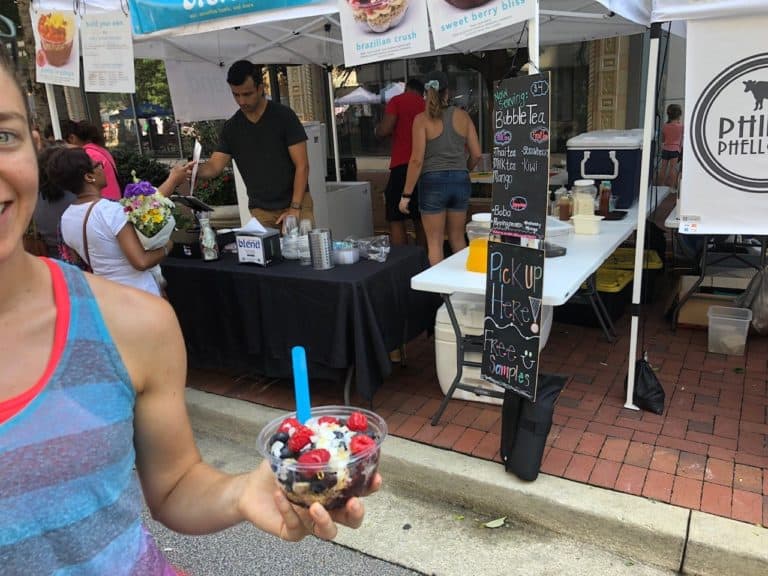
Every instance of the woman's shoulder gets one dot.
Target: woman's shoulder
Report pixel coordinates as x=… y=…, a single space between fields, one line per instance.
x=145 y=327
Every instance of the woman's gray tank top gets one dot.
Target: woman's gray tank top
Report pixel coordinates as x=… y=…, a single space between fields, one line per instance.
x=447 y=151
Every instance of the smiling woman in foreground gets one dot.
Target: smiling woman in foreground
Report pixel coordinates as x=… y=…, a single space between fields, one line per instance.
x=92 y=411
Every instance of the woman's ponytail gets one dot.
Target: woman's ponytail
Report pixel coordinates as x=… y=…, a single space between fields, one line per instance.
x=434 y=103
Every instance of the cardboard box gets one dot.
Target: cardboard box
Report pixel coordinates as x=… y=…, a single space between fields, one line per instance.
x=262 y=249
x=729 y=279
x=694 y=311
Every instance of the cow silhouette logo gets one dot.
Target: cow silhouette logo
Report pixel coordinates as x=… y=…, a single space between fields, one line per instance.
x=728 y=130
x=759 y=91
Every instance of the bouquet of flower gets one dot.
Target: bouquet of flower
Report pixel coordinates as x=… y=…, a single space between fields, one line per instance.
x=151 y=214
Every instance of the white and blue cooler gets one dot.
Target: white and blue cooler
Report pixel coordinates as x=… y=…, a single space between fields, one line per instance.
x=613 y=155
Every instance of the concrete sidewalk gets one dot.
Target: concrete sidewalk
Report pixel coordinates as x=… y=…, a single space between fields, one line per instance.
x=653 y=532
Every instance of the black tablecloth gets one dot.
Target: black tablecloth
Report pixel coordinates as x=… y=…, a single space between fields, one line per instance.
x=243 y=316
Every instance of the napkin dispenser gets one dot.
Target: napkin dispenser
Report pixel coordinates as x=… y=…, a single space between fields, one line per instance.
x=262 y=248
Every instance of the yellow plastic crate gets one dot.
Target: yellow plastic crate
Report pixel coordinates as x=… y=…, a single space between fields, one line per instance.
x=611 y=280
x=624 y=259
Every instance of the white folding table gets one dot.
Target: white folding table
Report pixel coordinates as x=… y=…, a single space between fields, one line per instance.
x=563 y=277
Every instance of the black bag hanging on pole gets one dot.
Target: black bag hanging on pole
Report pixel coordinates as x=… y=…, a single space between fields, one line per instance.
x=649 y=393
x=523 y=451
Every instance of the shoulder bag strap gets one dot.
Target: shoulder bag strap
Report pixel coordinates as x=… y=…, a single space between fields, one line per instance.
x=85 y=235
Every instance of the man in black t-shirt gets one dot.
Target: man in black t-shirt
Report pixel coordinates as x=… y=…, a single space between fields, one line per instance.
x=269 y=145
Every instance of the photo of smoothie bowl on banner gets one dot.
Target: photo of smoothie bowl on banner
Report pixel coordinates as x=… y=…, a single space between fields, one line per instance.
x=56 y=31
x=467 y=4
x=378 y=15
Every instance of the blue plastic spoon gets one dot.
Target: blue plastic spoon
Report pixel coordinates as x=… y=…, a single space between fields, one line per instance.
x=301 y=383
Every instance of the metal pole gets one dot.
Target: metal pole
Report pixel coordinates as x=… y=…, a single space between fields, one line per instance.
x=54 y=112
x=178 y=138
x=334 y=131
x=533 y=41
x=642 y=207
x=136 y=123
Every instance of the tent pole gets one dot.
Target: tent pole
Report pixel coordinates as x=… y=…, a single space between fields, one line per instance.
x=533 y=41
x=136 y=124
x=334 y=132
x=642 y=206
x=54 y=112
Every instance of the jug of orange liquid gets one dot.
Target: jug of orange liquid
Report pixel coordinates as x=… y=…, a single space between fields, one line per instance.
x=478 y=230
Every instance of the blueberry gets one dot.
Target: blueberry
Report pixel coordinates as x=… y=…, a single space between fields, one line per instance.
x=317 y=486
x=371 y=434
x=282 y=436
x=342 y=422
x=329 y=479
x=286 y=452
x=338 y=434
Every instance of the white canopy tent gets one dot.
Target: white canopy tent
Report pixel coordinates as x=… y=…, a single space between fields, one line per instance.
x=656 y=12
x=391 y=90
x=358 y=96
x=311 y=35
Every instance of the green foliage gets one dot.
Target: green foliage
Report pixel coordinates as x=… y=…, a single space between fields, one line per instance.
x=151 y=82
x=219 y=191
x=206 y=131
x=146 y=167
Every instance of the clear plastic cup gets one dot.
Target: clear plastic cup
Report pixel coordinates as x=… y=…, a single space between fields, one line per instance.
x=349 y=471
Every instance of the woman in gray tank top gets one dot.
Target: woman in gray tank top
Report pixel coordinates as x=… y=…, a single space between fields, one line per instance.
x=445 y=148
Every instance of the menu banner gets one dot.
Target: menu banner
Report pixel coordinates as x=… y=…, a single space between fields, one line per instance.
x=108 y=53
x=150 y=16
x=513 y=302
x=383 y=29
x=521 y=157
x=57 y=47
x=457 y=20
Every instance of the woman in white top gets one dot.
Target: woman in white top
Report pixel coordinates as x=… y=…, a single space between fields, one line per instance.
x=114 y=249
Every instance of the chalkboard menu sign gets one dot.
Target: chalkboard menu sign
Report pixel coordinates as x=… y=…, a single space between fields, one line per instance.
x=521 y=156
x=513 y=301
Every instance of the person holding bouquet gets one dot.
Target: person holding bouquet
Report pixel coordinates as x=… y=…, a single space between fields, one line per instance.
x=92 y=414
x=102 y=233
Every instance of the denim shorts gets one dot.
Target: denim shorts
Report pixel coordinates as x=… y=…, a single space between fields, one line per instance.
x=444 y=190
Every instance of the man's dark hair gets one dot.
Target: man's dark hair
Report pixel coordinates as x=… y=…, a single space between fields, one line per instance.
x=84 y=131
x=239 y=72
x=415 y=84
x=67 y=168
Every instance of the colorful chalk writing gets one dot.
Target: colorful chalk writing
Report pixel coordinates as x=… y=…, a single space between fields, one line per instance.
x=521 y=156
x=513 y=294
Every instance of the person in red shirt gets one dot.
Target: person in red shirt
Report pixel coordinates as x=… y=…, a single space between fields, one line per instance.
x=397 y=122
x=671 y=147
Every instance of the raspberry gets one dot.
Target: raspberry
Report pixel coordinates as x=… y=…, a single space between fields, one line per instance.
x=327 y=420
x=361 y=443
x=300 y=438
x=287 y=424
x=357 y=421
x=314 y=460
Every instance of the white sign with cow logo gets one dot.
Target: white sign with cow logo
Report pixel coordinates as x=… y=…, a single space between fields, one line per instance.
x=725 y=150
